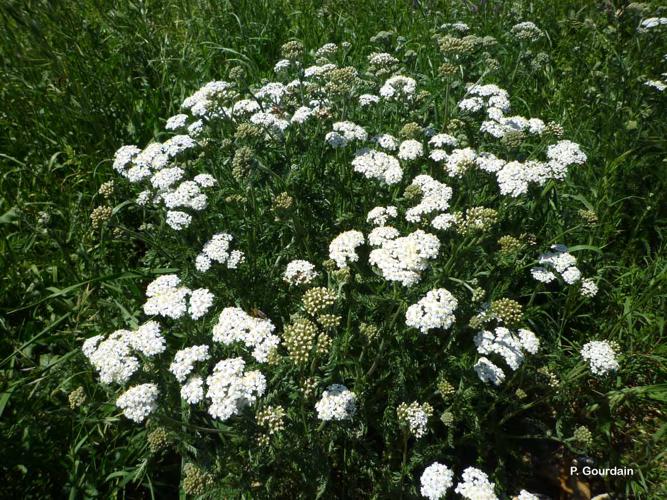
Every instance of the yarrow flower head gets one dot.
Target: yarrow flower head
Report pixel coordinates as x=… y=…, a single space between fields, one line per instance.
x=343 y=247
x=185 y=359
x=476 y=485
x=601 y=357
x=403 y=259
x=235 y=325
x=337 y=403
x=378 y=165
x=231 y=388
x=218 y=249
x=436 y=481
x=435 y=310
x=299 y=272
x=415 y=417
x=138 y=402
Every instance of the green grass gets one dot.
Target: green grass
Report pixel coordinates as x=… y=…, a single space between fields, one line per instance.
x=80 y=79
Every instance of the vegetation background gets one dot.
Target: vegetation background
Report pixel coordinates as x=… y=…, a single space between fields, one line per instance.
x=79 y=79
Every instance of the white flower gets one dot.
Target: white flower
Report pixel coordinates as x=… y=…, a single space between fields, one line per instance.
x=193 y=390
x=386 y=141
x=471 y=104
x=652 y=22
x=600 y=356
x=185 y=359
x=403 y=259
x=147 y=339
x=442 y=140
x=337 y=403
x=138 y=402
x=112 y=358
x=166 y=297
x=217 y=249
x=345 y=132
x=124 y=157
x=443 y=221
x=178 y=220
x=205 y=180
x=488 y=372
x=436 y=196
x=475 y=485
x=543 y=275
x=489 y=163
x=368 y=99
x=529 y=340
x=379 y=216
x=566 y=153
x=527 y=495
x=436 y=480
x=302 y=114
x=656 y=84
x=176 y=122
x=503 y=343
x=435 y=310
x=398 y=86
x=272 y=92
x=230 y=389
x=343 y=247
x=235 y=325
x=378 y=236
x=201 y=301
x=588 y=288
x=377 y=165
x=571 y=275
x=410 y=150
x=459 y=161
x=299 y=272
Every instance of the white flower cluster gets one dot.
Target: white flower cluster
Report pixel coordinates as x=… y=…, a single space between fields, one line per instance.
x=386 y=141
x=526 y=30
x=526 y=495
x=344 y=133
x=153 y=163
x=398 y=87
x=192 y=391
x=650 y=23
x=380 y=215
x=416 y=417
x=235 y=325
x=436 y=480
x=403 y=259
x=435 y=310
x=600 y=356
x=513 y=177
x=218 y=250
x=337 y=403
x=207 y=102
x=435 y=198
x=377 y=165
x=230 y=389
x=476 y=485
x=659 y=85
x=185 y=359
x=343 y=247
x=114 y=357
x=508 y=346
x=560 y=261
x=166 y=297
x=410 y=150
x=138 y=402
x=299 y=272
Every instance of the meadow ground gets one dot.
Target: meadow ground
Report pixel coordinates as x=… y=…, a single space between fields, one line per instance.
x=80 y=79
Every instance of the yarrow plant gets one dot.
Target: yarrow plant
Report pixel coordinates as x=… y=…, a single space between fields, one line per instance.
x=330 y=237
